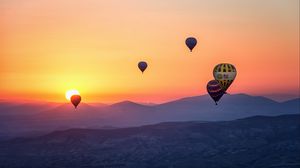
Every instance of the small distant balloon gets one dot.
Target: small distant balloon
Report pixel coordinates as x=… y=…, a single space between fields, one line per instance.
x=215 y=91
x=191 y=42
x=142 y=66
x=225 y=74
x=75 y=99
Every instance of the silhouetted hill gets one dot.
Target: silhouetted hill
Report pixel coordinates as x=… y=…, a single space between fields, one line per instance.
x=251 y=142
x=295 y=103
x=10 y=108
x=20 y=120
x=126 y=104
x=230 y=107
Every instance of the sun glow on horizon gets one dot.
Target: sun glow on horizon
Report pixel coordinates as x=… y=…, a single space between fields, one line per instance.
x=50 y=47
x=70 y=93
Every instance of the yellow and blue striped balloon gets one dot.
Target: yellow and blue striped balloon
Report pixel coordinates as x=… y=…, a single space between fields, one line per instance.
x=225 y=74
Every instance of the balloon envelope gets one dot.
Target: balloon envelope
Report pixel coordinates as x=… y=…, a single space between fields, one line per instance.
x=214 y=89
x=225 y=74
x=191 y=42
x=75 y=99
x=142 y=66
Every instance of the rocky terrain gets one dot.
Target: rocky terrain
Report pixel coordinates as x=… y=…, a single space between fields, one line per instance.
x=251 y=142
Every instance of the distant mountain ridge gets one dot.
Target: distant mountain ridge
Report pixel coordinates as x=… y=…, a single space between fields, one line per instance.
x=18 y=120
x=257 y=141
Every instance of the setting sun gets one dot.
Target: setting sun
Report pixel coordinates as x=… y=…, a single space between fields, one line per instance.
x=156 y=79
x=70 y=93
x=78 y=45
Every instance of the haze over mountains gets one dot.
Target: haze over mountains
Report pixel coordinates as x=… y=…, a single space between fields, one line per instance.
x=34 y=119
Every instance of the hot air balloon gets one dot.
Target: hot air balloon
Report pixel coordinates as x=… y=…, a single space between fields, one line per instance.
x=215 y=91
x=191 y=42
x=75 y=99
x=142 y=66
x=225 y=74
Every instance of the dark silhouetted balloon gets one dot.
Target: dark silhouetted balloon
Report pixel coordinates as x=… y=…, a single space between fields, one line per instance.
x=215 y=91
x=142 y=66
x=75 y=99
x=225 y=74
x=191 y=42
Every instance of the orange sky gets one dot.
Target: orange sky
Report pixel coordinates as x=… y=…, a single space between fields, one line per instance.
x=50 y=46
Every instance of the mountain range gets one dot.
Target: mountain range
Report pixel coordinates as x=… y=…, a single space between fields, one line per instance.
x=35 y=119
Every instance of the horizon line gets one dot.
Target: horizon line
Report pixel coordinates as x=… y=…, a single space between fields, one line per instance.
x=34 y=101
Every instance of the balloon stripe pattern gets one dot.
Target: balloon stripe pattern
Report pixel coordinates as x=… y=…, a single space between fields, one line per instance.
x=225 y=74
x=214 y=89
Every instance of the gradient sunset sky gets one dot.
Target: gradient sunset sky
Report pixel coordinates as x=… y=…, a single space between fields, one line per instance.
x=50 y=46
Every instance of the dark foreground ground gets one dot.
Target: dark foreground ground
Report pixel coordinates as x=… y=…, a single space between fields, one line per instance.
x=259 y=142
